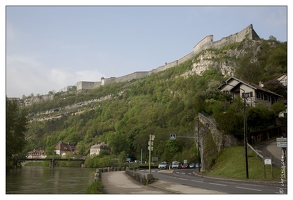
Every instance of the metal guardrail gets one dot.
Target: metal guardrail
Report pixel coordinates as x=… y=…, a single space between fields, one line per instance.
x=255 y=151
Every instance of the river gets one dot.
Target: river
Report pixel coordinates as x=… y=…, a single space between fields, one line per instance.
x=44 y=180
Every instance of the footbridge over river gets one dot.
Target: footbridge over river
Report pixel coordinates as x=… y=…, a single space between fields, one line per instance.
x=52 y=160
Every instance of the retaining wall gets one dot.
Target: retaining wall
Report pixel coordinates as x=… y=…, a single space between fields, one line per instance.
x=137 y=175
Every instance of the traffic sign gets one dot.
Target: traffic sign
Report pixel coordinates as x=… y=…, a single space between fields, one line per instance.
x=172 y=136
x=151 y=143
x=267 y=161
x=282 y=144
x=152 y=137
x=155 y=159
x=151 y=148
x=281 y=139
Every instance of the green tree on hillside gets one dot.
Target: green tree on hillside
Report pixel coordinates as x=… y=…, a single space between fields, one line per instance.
x=16 y=122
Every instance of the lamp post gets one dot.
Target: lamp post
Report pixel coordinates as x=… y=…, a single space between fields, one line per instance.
x=198 y=153
x=245 y=131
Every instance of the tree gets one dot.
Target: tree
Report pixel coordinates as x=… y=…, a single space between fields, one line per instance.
x=16 y=122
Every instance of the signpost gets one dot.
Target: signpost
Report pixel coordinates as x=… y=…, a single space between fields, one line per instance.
x=268 y=161
x=282 y=142
x=150 y=148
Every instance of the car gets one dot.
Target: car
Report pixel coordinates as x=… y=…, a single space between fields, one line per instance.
x=175 y=165
x=163 y=165
x=198 y=165
x=192 y=165
x=185 y=166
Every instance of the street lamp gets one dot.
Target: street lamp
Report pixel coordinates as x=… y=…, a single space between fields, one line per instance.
x=245 y=130
x=198 y=153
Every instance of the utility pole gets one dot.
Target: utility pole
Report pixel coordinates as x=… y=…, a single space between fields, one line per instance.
x=198 y=153
x=150 y=148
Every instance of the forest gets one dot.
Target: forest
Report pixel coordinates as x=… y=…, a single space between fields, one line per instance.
x=161 y=104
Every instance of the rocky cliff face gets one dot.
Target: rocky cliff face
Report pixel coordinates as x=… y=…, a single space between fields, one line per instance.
x=224 y=60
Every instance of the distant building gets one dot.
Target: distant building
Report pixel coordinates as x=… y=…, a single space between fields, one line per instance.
x=37 y=154
x=95 y=149
x=63 y=149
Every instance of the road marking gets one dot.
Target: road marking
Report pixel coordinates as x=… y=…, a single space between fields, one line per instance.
x=183 y=179
x=218 y=184
x=183 y=173
x=253 y=185
x=197 y=181
x=248 y=188
x=189 y=173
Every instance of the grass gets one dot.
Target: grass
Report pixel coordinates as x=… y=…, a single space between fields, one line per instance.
x=231 y=164
x=96 y=188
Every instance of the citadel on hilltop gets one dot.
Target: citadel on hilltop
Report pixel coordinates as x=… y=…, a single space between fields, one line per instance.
x=205 y=43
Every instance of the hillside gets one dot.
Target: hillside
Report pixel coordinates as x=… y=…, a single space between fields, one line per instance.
x=124 y=114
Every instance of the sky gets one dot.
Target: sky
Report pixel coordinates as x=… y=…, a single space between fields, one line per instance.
x=51 y=47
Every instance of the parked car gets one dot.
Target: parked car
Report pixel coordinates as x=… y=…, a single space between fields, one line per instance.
x=185 y=166
x=175 y=165
x=192 y=165
x=163 y=165
x=198 y=165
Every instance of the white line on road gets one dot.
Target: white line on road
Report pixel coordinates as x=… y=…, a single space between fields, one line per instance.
x=248 y=188
x=197 y=181
x=218 y=184
x=183 y=179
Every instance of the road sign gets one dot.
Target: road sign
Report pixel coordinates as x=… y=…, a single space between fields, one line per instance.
x=151 y=143
x=281 y=139
x=282 y=144
x=152 y=137
x=267 y=161
x=172 y=136
x=155 y=159
x=151 y=148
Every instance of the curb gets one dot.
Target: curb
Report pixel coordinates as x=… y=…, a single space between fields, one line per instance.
x=164 y=189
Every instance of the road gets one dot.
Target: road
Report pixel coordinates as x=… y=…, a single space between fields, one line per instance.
x=187 y=177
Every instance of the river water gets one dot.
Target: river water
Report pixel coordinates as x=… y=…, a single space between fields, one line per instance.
x=44 y=180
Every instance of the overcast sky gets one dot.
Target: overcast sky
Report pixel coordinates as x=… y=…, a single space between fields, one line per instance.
x=51 y=47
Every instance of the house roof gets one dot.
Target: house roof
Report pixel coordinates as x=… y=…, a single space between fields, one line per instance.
x=251 y=85
x=65 y=146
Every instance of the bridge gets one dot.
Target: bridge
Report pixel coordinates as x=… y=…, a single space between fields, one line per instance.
x=52 y=160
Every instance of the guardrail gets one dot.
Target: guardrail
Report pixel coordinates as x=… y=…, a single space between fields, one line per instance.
x=255 y=151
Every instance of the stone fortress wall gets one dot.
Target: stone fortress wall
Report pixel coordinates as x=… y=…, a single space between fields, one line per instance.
x=205 y=43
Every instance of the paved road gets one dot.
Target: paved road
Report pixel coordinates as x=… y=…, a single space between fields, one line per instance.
x=229 y=186
x=186 y=182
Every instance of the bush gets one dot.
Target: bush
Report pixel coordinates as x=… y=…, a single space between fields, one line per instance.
x=96 y=188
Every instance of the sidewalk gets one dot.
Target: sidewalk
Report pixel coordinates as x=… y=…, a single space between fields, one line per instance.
x=118 y=182
x=270 y=149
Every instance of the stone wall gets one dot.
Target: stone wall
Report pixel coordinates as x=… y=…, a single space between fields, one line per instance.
x=205 y=43
x=86 y=85
x=135 y=75
x=211 y=141
x=208 y=42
